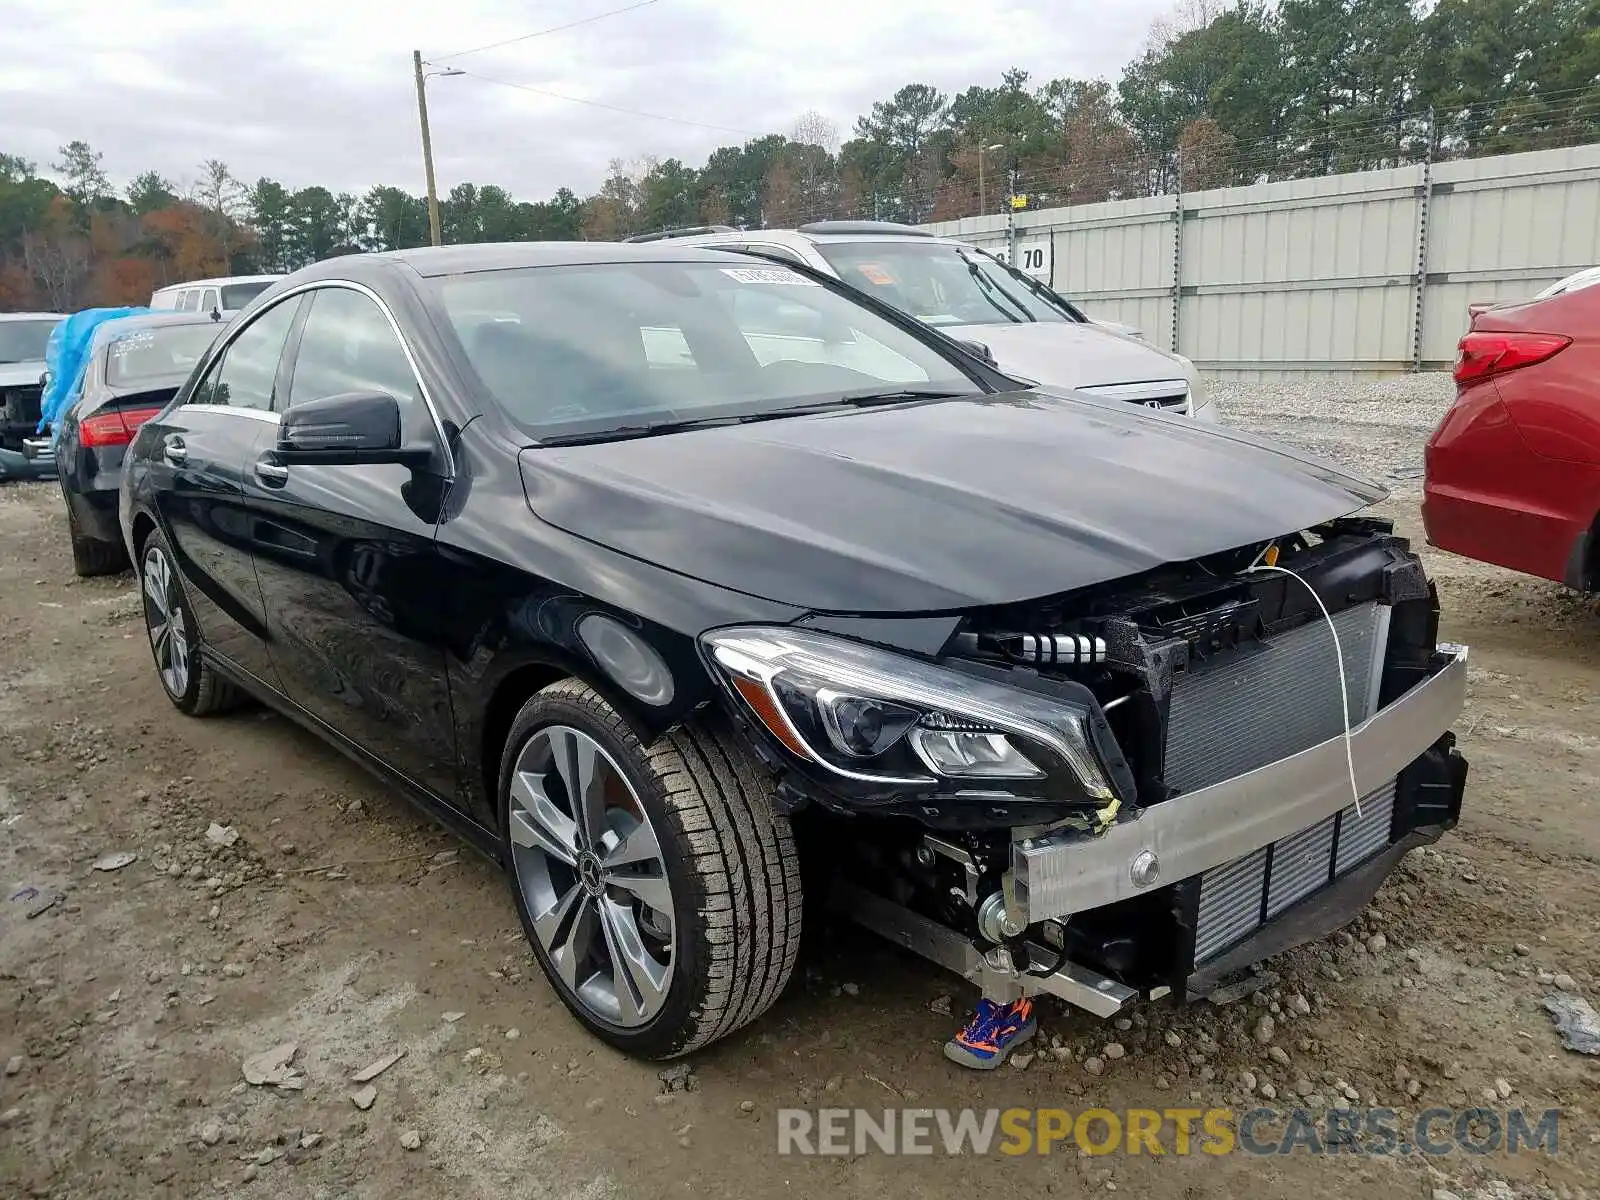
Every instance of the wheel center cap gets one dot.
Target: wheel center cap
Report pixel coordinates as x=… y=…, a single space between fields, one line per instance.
x=589 y=874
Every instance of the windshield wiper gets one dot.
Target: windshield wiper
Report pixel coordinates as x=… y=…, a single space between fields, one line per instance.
x=890 y=396
x=992 y=289
x=865 y=399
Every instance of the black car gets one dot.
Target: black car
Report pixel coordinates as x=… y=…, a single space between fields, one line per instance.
x=667 y=578
x=134 y=367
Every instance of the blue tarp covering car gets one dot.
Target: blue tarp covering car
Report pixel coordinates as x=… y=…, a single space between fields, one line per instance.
x=65 y=358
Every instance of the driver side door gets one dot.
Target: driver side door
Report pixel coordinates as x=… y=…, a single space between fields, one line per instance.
x=345 y=554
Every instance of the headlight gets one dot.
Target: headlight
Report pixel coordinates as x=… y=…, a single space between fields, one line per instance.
x=878 y=717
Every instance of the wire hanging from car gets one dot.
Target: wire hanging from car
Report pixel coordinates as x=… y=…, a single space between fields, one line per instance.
x=1270 y=554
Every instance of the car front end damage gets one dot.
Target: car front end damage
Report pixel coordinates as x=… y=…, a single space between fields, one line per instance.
x=1139 y=788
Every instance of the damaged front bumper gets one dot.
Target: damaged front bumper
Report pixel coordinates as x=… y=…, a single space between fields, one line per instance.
x=1068 y=873
x=1166 y=865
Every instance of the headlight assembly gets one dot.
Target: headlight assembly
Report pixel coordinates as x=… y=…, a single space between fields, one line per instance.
x=878 y=717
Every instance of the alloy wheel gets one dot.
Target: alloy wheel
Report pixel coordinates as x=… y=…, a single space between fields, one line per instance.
x=592 y=877
x=164 y=618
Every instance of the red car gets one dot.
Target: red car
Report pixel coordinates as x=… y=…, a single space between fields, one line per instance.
x=1513 y=471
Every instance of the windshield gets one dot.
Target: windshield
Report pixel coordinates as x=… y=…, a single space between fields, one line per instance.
x=24 y=341
x=581 y=349
x=157 y=354
x=236 y=295
x=941 y=284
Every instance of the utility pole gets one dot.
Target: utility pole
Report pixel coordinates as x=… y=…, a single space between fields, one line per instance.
x=427 y=151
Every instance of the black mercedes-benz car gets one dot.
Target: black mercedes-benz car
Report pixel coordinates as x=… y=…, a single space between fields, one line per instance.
x=134 y=367
x=680 y=584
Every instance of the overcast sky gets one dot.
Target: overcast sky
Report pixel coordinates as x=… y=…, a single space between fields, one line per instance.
x=321 y=91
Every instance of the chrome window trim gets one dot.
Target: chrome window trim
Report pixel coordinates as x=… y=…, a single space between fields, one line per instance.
x=348 y=285
x=254 y=414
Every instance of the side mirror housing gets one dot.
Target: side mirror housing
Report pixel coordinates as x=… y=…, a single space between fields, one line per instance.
x=345 y=429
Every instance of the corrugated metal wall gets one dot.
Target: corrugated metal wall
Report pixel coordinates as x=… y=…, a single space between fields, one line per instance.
x=1327 y=275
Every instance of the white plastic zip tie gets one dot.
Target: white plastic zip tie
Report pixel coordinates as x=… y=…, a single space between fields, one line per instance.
x=1344 y=687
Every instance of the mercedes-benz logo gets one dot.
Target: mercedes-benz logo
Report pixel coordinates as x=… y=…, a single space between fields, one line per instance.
x=589 y=874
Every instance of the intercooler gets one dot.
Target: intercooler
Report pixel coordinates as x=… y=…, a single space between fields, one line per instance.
x=1254 y=705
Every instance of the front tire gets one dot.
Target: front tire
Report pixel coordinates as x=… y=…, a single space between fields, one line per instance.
x=658 y=886
x=191 y=683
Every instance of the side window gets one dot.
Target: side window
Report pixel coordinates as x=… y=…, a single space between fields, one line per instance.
x=208 y=300
x=348 y=345
x=249 y=367
x=189 y=300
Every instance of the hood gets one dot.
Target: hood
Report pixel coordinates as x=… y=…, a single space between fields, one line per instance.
x=20 y=374
x=1067 y=355
x=936 y=506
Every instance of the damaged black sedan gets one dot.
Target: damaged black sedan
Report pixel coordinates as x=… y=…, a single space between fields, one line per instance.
x=661 y=576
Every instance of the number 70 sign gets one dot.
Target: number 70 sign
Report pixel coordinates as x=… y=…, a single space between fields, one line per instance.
x=1033 y=257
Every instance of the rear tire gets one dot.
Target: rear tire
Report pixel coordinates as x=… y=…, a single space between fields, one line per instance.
x=91 y=557
x=722 y=867
x=190 y=682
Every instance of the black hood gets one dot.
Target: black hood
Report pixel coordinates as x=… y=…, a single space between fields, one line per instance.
x=935 y=506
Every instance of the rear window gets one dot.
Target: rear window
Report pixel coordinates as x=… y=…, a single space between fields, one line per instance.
x=150 y=356
x=236 y=295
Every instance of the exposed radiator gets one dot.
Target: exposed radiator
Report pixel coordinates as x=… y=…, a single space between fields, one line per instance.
x=1267 y=700
x=1238 y=897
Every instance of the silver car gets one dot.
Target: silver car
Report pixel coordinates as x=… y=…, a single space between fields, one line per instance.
x=969 y=294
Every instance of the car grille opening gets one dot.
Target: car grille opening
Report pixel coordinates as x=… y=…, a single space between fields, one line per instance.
x=1171 y=395
x=20 y=403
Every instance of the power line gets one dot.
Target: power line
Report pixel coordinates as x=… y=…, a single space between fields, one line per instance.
x=615 y=12
x=631 y=112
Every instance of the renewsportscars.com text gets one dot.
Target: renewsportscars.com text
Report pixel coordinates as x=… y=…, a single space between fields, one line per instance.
x=1177 y=1131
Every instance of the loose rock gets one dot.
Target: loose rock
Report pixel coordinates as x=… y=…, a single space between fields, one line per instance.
x=116 y=861
x=222 y=835
x=1114 y=1050
x=1095 y=1066
x=15 y=1063
x=411 y=1139
x=364 y=1097
x=272 y=1067
x=940 y=1005
x=370 y=1072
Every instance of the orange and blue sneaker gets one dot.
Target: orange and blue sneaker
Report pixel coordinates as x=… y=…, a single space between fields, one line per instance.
x=993 y=1033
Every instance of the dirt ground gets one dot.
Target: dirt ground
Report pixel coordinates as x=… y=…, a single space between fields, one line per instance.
x=343 y=922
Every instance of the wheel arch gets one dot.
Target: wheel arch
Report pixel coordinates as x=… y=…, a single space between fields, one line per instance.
x=517 y=684
x=143 y=525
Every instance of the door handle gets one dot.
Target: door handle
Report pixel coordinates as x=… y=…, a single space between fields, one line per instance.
x=270 y=473
x=174 y=451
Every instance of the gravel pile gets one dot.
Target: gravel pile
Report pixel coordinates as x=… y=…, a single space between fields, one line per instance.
x=1376 y=428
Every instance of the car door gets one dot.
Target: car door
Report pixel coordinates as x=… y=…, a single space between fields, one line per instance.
x=346 y=557
x=206 y=444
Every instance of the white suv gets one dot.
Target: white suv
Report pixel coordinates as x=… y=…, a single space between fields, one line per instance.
x=969 y=294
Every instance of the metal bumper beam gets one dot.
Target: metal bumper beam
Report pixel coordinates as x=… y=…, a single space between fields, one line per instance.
x=1071 y=872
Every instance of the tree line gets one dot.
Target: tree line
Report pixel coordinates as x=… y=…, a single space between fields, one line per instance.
x=1226 y=92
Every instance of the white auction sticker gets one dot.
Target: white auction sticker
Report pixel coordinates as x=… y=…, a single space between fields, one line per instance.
x=765 y=275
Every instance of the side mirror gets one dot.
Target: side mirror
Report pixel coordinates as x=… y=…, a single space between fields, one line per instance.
x=342 y=430
x=979 y=350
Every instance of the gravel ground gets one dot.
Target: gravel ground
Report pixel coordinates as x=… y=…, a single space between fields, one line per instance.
x=324 y=913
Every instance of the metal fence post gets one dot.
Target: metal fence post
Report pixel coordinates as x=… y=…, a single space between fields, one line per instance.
x=1420 y=286
x=1177 y=263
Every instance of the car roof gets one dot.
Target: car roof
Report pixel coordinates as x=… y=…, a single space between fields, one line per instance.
x=33 y=316
x=219 y=280
x=863 y=232
x=433 y=261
